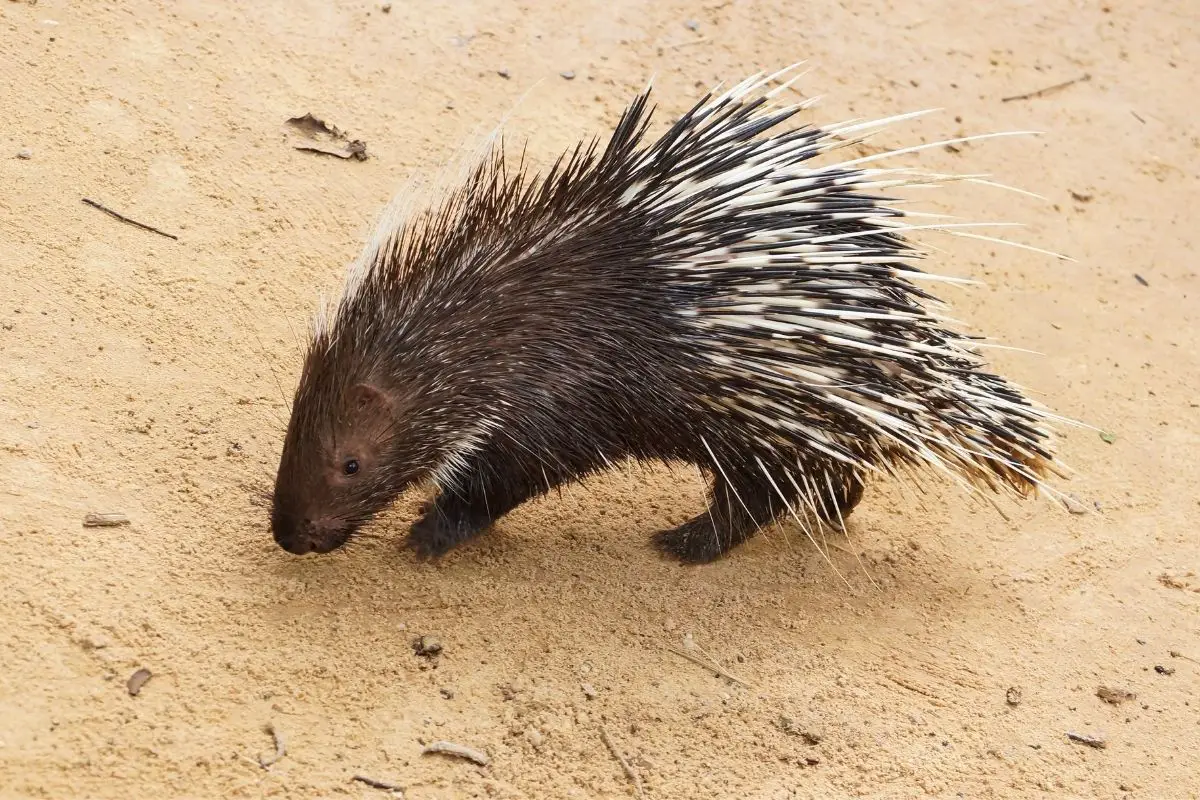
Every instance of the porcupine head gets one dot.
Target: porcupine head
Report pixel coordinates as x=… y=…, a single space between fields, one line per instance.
x=331 y=469
x=351 y=446
x=385 y=392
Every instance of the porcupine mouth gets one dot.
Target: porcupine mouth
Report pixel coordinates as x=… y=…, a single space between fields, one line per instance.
x=320 y=547
x=309 y=539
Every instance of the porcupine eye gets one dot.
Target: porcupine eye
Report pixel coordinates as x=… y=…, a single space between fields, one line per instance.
x=350 y=467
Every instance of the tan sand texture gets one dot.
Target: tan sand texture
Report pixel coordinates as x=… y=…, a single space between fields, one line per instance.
x=147 y=376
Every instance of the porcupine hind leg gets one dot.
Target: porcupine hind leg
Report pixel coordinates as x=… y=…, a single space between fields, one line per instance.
x=742 y=504
x=738 y=506
x=847 y=494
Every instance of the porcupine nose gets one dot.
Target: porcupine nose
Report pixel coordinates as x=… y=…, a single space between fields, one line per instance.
x=293 y=539
x=308 y=535
x=296 y=535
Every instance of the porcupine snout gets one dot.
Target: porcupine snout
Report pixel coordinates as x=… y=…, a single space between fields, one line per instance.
x=299 y=534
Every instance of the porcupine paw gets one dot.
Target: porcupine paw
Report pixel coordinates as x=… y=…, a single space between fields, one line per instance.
x=696 y=541
x=435 y=533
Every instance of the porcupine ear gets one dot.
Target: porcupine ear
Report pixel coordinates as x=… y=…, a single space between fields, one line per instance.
x=367 y=398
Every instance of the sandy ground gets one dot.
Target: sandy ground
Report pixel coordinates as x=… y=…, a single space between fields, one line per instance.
x=146 y=376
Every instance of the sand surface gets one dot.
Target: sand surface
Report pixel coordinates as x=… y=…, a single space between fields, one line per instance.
x=147 y=376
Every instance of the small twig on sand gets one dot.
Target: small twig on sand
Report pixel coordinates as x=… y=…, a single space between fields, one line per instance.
x=460 y=751
x=1042 y=92
x=280 y=746
x=110 y=520
x=1177 y=654
x=688 y=43
x=374 y=784
x=127 y=220
x=630 y=772
x=708 y=664
x=1090 y=741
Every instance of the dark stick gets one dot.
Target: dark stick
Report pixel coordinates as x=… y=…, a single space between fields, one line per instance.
x=280 y=746
x=1047 y=90
x=459 y=751
x=1090 y=741
x=374 y=784
x=112 y=520
x=127 y=220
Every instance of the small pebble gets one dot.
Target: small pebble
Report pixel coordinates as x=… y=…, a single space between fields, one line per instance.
x=692 y=25
x=1161 y=670
x=1074 y=505
x=136 y=681
x=534 y=737
x=447 y=693
x=503 y=73
x=386 y=7
x=568 y=75
x=427 y=646
x=1114 y=696
x=94 y=641
x=792 y=728
x=25 y=153
x=589 y=691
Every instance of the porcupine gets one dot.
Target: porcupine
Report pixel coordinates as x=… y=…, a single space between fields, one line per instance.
x=711 y=298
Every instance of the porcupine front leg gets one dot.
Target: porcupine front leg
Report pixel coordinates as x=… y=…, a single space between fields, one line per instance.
x=493 y=483
x=741 y=504
x=462 y=512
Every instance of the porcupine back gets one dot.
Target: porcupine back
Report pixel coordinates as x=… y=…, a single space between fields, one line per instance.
x=712 y=296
